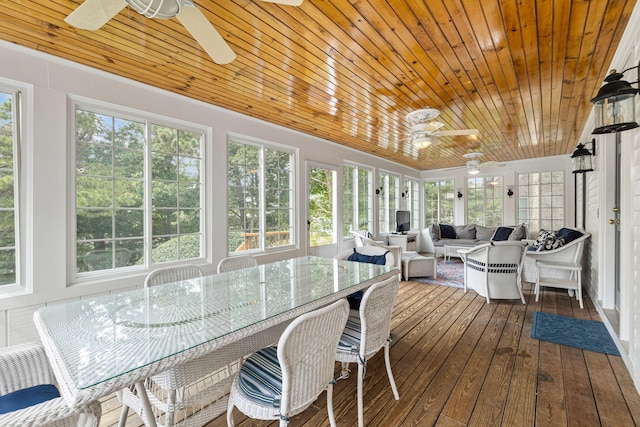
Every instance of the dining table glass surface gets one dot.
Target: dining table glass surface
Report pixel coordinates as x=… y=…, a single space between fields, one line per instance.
x=99 y=338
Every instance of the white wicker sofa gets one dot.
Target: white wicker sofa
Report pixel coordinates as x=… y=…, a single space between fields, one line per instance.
x=571 y=251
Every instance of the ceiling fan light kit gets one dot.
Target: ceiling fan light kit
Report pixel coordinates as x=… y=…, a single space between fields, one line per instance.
x=425 y=130
x=161 y=9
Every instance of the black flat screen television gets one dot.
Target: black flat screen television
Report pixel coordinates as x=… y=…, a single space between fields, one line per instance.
x=403 y=221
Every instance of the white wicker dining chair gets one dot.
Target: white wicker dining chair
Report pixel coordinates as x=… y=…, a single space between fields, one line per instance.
x=165 y=389
x=277 y=383
x=25 y=366
x=494 y=270
x=366 y=332
x=236 y=263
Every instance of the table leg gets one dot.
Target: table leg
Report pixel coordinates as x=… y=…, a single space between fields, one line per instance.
x=149 y=418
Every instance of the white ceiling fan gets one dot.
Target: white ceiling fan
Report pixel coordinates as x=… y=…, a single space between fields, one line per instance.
x=473 y=165
x=425 y=130
x=93 y=14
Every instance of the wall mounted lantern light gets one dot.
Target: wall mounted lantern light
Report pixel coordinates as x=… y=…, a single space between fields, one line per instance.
x=459 y=194
x=510 y=192
x=582 y=157
x=614 y=107
x=380 y=190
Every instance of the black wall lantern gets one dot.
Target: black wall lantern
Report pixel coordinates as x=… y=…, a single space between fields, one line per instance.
x=614 y=107
x=459 y=195
x=510 y=192
x=582 y=158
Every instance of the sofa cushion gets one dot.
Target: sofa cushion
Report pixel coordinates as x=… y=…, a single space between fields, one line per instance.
x=519 y=233
x=467 y=231
x=502 y=233
x=568 y=234
x=447 y=232
x=484 y=233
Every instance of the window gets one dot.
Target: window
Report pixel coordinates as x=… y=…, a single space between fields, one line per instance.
x=411 y=195
x=357 y=197
x=541 y=200
x=388 y=201
x=138 y=191
x=439 y=197
x=484 y=201
x=9 y=138
x=260 y=197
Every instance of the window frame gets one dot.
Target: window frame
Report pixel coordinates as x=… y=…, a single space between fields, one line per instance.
x=356 y=213
x=21 y=100
x=442 y=187
x=293 y=233
x=387 y=215
x=497 y=195
x=522 y=196
x=150 y=120
x=410 y=194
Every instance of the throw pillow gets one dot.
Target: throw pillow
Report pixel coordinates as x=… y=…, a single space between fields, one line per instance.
x=502 y=234
x=447 y=232
x=435 y=232
x=569 y=234
x=519 y=233
x=548 y=240
x=484 y=233
x=465 y=231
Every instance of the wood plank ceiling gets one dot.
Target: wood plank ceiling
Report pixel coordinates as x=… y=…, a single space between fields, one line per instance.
x=522 y=72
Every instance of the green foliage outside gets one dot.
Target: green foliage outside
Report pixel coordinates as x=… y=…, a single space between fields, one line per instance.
x=7 y=196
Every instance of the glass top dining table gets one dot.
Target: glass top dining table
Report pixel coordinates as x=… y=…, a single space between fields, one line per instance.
x=101 y=344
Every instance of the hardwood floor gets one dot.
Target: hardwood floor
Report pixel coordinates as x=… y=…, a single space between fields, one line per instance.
x=458 y=361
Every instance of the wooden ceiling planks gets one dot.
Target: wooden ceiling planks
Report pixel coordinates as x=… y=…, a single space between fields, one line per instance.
x=350 y=70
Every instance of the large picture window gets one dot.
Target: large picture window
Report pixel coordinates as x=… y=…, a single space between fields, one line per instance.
x=260 y=197
x=439 y=199
x=388 y=201
x=485 y=201
x=138 y=191
x=357 y=199
x=9 y=138
x=541 y=200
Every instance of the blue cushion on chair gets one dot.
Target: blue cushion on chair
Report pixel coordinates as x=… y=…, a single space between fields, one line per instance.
x=260 y=378
x=371 y=259
x=26 y=397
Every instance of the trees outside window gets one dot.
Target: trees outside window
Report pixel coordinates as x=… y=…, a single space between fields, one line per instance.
x=439 y=197
x=388 y=201
x=8 y=186
x=485 y=201
x=138 y=192
x=411 y=196
x=541 y=200
x=260 y=197
x=357 y=199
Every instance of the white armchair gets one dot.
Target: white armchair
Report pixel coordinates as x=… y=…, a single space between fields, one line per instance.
x=570 y=252
x=494 y=269
x=26 y=366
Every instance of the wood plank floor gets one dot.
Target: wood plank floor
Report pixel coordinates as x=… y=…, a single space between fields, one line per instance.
x=461 y=362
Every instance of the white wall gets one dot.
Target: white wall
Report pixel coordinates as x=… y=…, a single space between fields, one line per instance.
x=48 y=82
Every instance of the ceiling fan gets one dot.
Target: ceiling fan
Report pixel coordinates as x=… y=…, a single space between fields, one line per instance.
x=473 y=165
x=93 y=14
x=425 y=130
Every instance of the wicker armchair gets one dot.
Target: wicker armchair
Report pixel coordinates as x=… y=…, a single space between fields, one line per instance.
x=277 y=383
x=366 y=332
x=494 y=269
x=570 y=252
x=236 y=263
x=26 y=365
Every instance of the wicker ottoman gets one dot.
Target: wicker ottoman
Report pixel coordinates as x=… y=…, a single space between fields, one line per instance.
x=416 y=265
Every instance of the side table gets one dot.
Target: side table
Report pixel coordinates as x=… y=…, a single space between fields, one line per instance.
x=570 y=284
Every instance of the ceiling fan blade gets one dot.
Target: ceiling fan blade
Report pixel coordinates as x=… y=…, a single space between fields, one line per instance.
x=286 y=2
x=458 y=132
x=205 y=34
x=93 y=14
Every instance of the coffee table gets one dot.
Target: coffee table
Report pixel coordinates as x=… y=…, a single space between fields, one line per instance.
x=452 y=250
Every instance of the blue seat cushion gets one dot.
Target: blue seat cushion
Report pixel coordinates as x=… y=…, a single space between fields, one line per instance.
x=371 y=259
x=350 y=338
x=260 y=378
x=26 y=397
